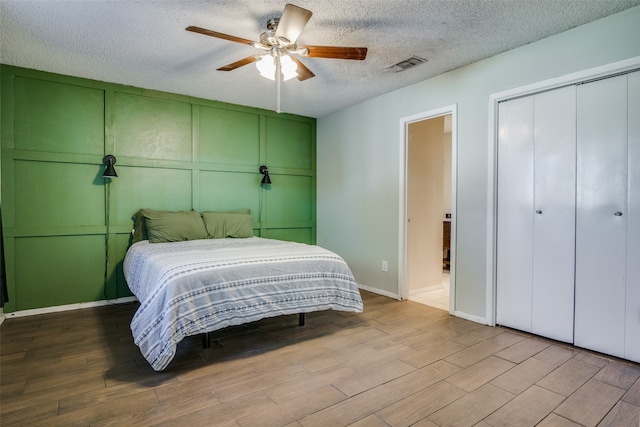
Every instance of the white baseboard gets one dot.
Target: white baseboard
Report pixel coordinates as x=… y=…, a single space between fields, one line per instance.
x=471 y=317
x=379 y=292
x=2 y=316
x=68 y=307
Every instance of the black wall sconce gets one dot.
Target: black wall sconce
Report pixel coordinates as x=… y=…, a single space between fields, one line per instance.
x=109 y=171
x=264 y=171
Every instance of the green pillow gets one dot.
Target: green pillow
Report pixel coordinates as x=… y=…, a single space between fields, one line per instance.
x=139 y=230
x=234 y=211
x=221 y=225
x=165 y=226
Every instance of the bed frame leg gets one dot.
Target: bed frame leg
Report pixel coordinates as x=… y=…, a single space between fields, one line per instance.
x=301 y=319
x=205 y=340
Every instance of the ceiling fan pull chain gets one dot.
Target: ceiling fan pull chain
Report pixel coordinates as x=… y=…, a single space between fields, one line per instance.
x=278 y=79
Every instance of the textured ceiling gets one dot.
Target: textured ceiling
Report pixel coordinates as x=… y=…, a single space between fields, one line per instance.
x=144 y=43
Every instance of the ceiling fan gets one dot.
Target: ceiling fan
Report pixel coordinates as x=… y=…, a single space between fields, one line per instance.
x=279 y=43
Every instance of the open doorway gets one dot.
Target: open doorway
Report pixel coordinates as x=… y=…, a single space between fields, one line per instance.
x=429 y=150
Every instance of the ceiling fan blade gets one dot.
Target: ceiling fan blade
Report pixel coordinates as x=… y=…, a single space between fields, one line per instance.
x=303 y=72
x=292 y=23
x=357 y=53
x=219 y=35
x=240 y=63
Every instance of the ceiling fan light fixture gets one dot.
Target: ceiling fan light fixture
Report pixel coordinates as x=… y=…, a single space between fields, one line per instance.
x=267 y=67
x=288 y=67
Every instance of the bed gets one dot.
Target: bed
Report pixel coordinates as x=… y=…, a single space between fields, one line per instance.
x=201 y=285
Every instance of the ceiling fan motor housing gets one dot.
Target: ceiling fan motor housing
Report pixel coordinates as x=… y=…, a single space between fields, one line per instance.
x=269 y=38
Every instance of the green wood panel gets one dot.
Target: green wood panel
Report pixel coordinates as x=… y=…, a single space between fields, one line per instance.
x=58 y=270
x=153 y=188
x=150 y=128
x=57 y=194
x=220 y=191
x=10 y=256
x=7 y=111
x=122 y=244
x=289 y=144
x=57 y=117
x=302 y=235
x=288 y=199
x=229 y=137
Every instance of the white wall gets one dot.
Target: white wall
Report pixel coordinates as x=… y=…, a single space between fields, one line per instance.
x=358 y=153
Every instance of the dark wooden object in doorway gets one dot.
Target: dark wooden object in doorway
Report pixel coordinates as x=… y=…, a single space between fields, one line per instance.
x=446 y=244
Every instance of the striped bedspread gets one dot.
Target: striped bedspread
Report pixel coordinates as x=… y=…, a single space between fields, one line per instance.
x=191 y=287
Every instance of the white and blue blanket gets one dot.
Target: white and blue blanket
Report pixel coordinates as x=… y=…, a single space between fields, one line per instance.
x=197 y=286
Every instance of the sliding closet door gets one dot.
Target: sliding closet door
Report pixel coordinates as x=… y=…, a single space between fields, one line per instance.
x=601 y=216
x=568 y=217
x=536 y=213
x=554 y=214
x=515 y=214
x=632 y=323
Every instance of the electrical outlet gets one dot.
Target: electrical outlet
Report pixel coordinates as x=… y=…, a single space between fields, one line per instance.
x=385 y=266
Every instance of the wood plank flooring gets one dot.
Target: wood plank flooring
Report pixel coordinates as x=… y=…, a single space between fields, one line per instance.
x=396 y=364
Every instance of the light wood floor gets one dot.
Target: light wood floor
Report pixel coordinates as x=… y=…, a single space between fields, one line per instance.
x=397 y=364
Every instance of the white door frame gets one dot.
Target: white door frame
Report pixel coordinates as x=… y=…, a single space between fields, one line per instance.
x=578 y=77
x=403 y=289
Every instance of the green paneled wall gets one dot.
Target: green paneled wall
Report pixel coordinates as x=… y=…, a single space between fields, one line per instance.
x=228 y=137
x=67 y=229
x=151 y=128
x=58 y=270
x=43 y=111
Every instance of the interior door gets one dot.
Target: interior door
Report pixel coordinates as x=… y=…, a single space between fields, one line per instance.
x=601 y=215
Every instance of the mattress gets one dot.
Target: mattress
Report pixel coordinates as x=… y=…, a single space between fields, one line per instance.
x=191 y=287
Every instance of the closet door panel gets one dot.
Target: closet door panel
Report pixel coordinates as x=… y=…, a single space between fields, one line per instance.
x=554 y=214
x=632 y=330
x=515 y=213
x=601 y=215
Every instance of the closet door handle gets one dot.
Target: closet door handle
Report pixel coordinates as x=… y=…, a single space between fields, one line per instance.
x=618 y=213
x=539 y=212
